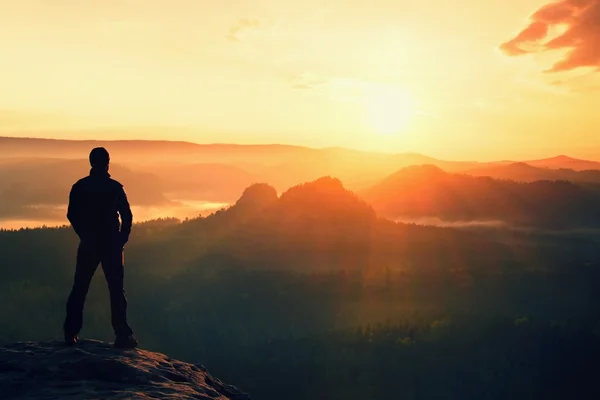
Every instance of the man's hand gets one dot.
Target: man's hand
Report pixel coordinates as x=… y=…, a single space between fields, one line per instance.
x=123 y=239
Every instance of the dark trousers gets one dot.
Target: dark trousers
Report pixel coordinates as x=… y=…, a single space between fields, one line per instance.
x=89 y=255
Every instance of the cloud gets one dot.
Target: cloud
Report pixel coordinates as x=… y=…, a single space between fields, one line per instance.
x=243 y=25
x=579 y=25
x=534 y=32
x=338 y=88
x=587 y=83
x=306 y=81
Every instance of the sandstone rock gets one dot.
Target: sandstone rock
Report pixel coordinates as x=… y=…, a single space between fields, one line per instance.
x=96 y=370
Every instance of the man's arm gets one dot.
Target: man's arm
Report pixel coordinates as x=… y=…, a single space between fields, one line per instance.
x=126 y=215
x=73 y=212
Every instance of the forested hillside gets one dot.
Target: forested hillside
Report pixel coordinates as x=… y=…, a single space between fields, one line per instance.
x=314 y=284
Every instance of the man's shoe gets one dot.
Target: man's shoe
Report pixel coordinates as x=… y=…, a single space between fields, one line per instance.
x=125 y=342
x=70 y=339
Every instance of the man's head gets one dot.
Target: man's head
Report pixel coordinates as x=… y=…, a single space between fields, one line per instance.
x=99 y=158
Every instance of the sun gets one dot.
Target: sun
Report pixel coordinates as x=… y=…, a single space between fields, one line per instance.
x=388 y=111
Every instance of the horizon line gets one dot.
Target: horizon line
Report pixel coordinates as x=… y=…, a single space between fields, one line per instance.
x=297 y=146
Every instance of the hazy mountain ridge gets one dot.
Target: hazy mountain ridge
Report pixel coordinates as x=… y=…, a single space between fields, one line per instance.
x=525 y=172
x=566 y=162
x=184 y=179
x=35 y=188
x=139 y=150
x=428 y=191
x=42 y=147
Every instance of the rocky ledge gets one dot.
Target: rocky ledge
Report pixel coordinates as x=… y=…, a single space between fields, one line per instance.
x=95 y=370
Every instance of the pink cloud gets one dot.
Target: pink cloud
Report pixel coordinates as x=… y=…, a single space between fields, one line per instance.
x=581 y=38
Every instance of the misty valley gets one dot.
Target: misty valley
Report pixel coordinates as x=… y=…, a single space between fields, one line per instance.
x=294 y=271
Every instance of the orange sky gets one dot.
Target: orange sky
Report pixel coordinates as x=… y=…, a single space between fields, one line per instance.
x=464 y=79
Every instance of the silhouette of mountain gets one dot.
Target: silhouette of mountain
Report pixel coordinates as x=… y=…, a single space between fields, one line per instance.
x=283 y=166
x=257 y=197
x=145 y=151
x=34 y=187
x=92 y=369
x=325 y=197
x=427 y=191
x=321 y=227
x=563 y=161
x=316 y=208
x=307 y=223
x=159 y=172
x=524 y=172
x=154 y=151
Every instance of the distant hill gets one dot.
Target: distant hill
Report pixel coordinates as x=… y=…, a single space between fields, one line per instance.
x=32 y=188
x=427 y=191
x=151 y=151
x=565 y=162
x=283 y=166
x=304 y=212
x=219 y=172
x=524 y=172
x=557 y=162
x=145 y=151
x=320 y=226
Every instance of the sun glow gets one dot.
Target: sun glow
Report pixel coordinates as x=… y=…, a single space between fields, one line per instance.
x=388 y=110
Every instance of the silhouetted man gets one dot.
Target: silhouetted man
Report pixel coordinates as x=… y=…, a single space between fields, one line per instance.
x=95 y=204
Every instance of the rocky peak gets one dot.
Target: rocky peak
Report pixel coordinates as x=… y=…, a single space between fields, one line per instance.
x=95 y=370
x=257 y=196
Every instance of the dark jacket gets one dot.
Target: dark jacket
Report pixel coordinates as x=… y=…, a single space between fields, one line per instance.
x=95 y=204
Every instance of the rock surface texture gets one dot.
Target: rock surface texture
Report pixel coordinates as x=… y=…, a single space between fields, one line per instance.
x=95 y=370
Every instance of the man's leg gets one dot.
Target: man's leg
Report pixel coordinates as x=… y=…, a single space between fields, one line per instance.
x=87 y=262
x=114 y=271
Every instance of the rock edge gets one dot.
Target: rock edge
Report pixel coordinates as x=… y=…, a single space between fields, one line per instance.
x=95 y=370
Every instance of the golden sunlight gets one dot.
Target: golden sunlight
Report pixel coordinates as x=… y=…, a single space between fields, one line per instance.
x=388 y=110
